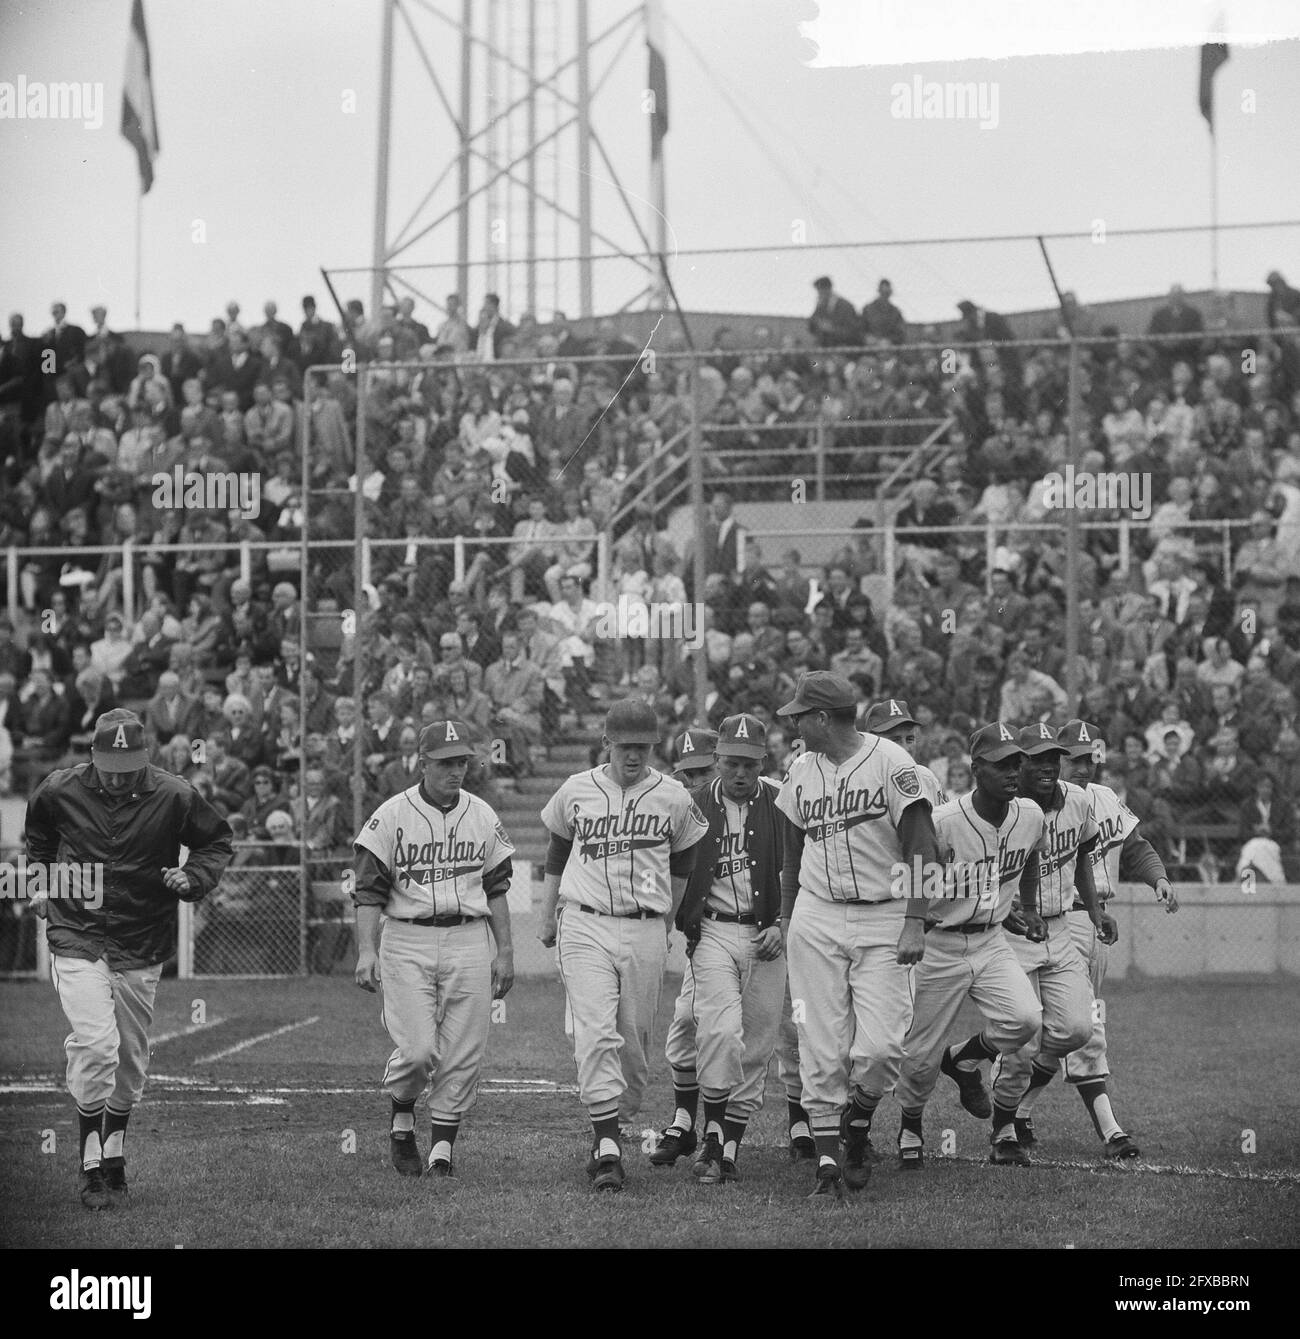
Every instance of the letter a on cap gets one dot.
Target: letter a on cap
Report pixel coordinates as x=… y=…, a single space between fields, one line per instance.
x=1044 y=732
x=119 y=739
x=894 y=708
x=742 y=730
x=1084 y=736
x=687 y=745
x=1004 y=733
x=452 y=736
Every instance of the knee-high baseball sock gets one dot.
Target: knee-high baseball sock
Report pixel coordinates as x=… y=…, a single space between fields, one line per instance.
x=604 y=1125
x=441 y=1138
x=715 y=1113
x=1039 y=1078
x=114 y=1133
x=826 y=1135
x=733 y=1131
x=800 y=1126
x=92 y=1145
x=1096 y=1099
x=862 y=1108
x=402 y=1119
x=686 y=1097
x=970 y=1053
x=1004 y=1119
x=909 y=1131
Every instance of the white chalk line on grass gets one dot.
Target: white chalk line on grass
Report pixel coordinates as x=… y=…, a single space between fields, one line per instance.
x=185 y=1031
x=1139 y=1166
x=187 y=1083
x=255 y=1041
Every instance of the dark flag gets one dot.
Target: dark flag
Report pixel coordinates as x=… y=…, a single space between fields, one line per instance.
x=139 y=124
x=1213 y=54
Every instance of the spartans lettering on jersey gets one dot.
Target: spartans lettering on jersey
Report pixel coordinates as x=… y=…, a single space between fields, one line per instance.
x=1113 y=828
x=1063 y=843
x=442 y=859
x=821 y=813
x=732 y=856
x=618 y=833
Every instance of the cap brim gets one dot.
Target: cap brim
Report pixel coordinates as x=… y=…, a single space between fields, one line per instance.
x=693 y=764
x=998 y=753
x=122 y=760
x=447 y=751
x=1038 y=750
x=895 y=723
x=1079 y=750
x=791 y=708
x=632 y=737
x=741 y=751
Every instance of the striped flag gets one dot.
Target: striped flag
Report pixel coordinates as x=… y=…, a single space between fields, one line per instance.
x=1213 y=54
x=139 y=124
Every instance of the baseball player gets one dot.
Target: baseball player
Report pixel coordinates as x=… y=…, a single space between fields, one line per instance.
x=433 y=865
x=1052 y=963
x=993 y=841
x=857 y=811
x=891 y=720
x=122 y=823
x=731 y=915
x=623 y=844
x=1118 y=846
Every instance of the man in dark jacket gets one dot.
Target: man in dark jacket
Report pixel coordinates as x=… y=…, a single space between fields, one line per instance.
x=834 y=323
x=115 y=826
x=730 y=915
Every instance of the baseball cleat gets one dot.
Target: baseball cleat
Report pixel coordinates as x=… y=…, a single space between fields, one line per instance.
x=674 y=1144
x=708 y=1166
x=609 y=1173
x=94 y=1189
x=911 y=1159
x=856 y=1143
x=1008 y=1153
x=1025 y=1131
x=803 y=1150
x=970 y=1086
x=830 y=1185
x=440 y=1168
x=115 y=1178
x=730 y=1172
x=1120 y=1147
x=405 y=1153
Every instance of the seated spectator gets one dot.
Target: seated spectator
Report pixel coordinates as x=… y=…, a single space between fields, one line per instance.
x=110 y=653
x=1267 y=829
x=1021 y=700
x=171 y=712
x=242 y=741
x=515 y=687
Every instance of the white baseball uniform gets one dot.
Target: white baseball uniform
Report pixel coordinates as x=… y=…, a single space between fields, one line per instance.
x=436 y=978
x=851 y=997
x=1054 y=967
x=967 y=952
x=615 y=896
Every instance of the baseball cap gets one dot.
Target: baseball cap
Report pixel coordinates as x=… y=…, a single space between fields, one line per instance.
x=695 y=750
x=822 y=281
x=1079 y=737
x=118 y=745
x=884 y=716
x=445 y=739
x=742 y=736
x=632 y=723
x=1036 y=740
x=994 y=742
x=820 y=690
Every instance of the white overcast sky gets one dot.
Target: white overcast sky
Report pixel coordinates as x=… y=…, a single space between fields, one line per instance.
x=257 y=145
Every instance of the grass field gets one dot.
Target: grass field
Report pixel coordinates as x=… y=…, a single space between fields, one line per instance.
x=247 y=1145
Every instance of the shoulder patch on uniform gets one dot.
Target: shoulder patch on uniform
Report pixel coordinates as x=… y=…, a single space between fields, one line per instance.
x=502 y=834
x=908 y=783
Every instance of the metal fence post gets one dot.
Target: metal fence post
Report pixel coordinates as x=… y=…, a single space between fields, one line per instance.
x=128 y=581
x=1072 y=541
x=11 y=583
x=358 y=599
x=700 y=662
x=819 y=449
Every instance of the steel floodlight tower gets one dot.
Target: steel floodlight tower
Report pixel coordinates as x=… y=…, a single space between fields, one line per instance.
x=516 y=149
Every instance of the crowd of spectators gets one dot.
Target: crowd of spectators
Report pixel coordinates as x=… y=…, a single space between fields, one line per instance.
x=1189 y=649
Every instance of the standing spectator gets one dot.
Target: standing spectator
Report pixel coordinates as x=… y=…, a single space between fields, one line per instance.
x=274 y=327
x=1177 y=317
x=515 y=687
x=318 y=341
x=881 y=319
x=67 y=341
x=1281 y=298
x=834 y=322
x=180 y=363
x=22 y=387
x=453 y=336
x=492 y=330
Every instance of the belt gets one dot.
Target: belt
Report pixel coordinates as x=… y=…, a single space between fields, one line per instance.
x=620 y=915
x=968 y=929
x=442 y=922
x=730 y=920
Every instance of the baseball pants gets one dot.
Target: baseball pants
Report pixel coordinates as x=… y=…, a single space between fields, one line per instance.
x=1089 y=1061
x=110 y=1013
x=1060 y=980
x=437 y=984
x=613 y=971
x=982 y=966
x=737 y=1001
x=851 y=999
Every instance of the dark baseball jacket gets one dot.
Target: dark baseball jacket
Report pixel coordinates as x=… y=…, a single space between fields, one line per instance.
x=135 y=839
x=765 y=845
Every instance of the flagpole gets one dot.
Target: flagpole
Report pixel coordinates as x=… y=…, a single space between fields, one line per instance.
x=1214 y=210
x=139 y=224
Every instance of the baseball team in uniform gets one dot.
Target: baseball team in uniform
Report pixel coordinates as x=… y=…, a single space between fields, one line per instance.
x=837 y=920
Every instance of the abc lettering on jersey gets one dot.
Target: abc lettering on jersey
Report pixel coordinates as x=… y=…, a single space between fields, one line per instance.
x=731 y=891
x=622 y=839
x=436 y=859
x=1069 y=824
x=983 y=864
x=1115 y=820
x=850 y=815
